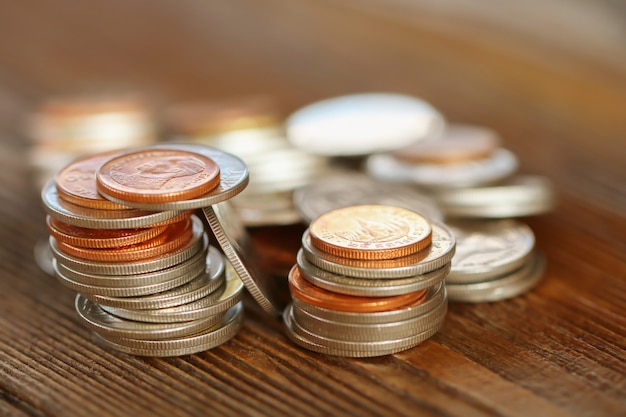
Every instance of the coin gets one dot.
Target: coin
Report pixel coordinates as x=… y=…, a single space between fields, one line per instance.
x=486 y=249
x=76 y=183
x=235 y=243
x=361 y=124
x=379 y=332
x=370 y=232
x=99 y=219
x=233 y=178
x=214 y=336
x=433 y=297
x=497 y=289
x=368 y=287
x=455 y=144
x=501 y=164
x=99 y=238
x=157 y=176
x=439 y=253
x=352 y=189
x=311 y=294
x=520 y=196
x=107 y=324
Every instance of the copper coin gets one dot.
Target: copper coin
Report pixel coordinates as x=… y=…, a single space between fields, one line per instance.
x=319 y=297
x=76 y=183
x=158 y=176
x=457 y=144
x=100 y=238
x=370 y=232
x=175 y=236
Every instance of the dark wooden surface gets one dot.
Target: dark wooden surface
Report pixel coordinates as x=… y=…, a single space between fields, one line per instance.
x=555 y=90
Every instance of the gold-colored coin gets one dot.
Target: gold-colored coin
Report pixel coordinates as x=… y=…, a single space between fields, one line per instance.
x=370 y=232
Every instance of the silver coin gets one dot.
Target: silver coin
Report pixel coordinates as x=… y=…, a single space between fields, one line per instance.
x=218 y=335
x=438 y=254
x=107 y=324
x=201 y=286
x=350 y=332
x=198 y=241
x=368 y=287
x=214 y=303
x=361 y=124
x=328 y=346
x=43 y=256
x=433 y=298
x=193 y=266
x=345 y=190
x=520 y=196
x=257 y=218
x=233 y=179
x=487 y=249
x=99 y=219
x=236 y=246
x=509 y=286
x=501 y=164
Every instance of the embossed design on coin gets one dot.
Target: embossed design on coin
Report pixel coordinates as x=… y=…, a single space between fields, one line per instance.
x=158 y=176
x=370 y=232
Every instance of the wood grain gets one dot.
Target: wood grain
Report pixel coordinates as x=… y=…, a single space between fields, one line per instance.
x=558 y=101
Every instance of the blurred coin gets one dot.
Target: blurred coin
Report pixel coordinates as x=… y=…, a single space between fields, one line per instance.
x=455 y=144
x=361 y=124
x=370 y=232
x=437 y=255
x=502 y=288
x=520 y=196
x=501 y=164
x=344 y=190
x=486 y=249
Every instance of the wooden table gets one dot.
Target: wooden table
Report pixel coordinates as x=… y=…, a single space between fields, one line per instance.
x=551 y=81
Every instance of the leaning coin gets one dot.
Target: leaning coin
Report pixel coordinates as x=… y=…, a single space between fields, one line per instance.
x=344 y=190
x=236 y=247
x=509 y=286
x=201 y=286
x=361 y=124
x=350 y=349
x=501 y=164
x=520 y=196
x=433 y=298
x=109 y=325
x=99 y=219
x=217 y=335
x=438 y=255
x=368 y=287
x=350 y=332
x=487 y=249
x=233 y=179
x=212 y=304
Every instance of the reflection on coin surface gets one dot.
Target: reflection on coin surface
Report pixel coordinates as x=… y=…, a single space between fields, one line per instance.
x=457 y=143
x=360 y=124
x=344 y=190
x=158 y=176
x=320 y=297
x=370 y=232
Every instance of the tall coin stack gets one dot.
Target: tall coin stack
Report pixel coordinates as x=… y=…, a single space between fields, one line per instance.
x=470 y=176
x=369 y=281
x=149 y=283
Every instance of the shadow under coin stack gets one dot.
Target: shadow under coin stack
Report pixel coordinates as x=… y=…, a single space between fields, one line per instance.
x=149 y=283
x=369 y=281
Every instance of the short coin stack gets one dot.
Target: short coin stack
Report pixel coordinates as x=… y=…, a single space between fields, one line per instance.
x=369 y=281
x=149 y=283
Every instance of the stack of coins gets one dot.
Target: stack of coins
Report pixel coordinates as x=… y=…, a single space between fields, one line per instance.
x=251 y=129
x=459 y=156
x=67 y=127
x=495 y=260
x=369 y=281
x=149 y=283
